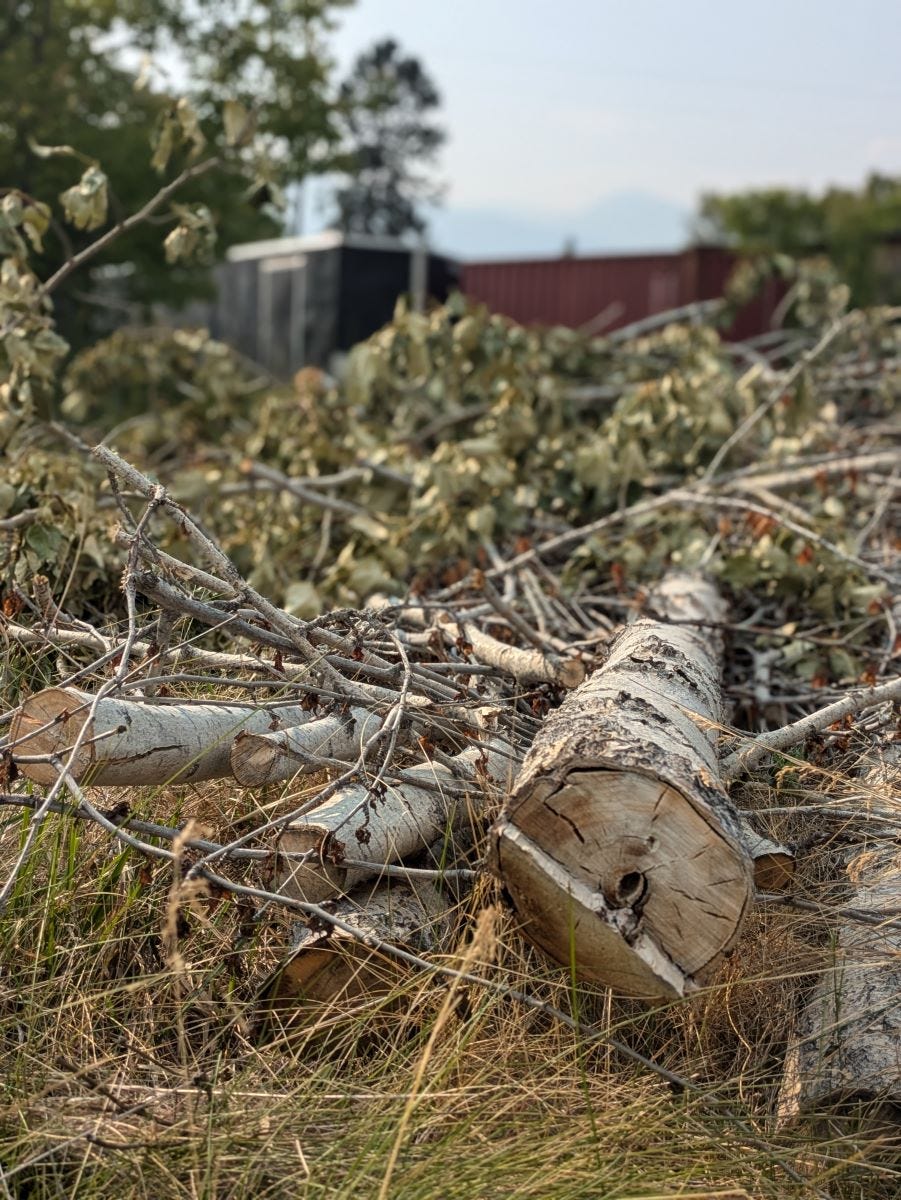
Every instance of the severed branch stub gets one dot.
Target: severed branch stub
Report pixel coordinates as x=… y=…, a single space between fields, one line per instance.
x=619 y=848
x=258 y=758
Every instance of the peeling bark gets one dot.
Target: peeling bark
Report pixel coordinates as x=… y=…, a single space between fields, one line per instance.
x=844 y=1062
x=388 y=828
x=619 y=847
x=330 y=964
x=133 y=743
x=258 y=758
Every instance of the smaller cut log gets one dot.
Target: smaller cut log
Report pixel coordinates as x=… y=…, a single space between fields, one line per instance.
x=128 y=742
x=526 y=666
x=619 y=847
x=774 y=862
x=327 y=964
x=258 y=758
x=843 y=1066
x=403 y=820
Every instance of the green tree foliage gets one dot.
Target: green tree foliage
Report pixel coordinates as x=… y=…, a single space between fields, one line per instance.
x=68 y=82
x=387 y=102
x=855 y=228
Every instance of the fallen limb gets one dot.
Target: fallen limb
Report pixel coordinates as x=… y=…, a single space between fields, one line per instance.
x=27 y=516
x=844 y=1062
x=792 y=476
x=387 y=828
x=93 y=639
x=128 y=742
x=527 y=666
x=705 y=498
x=797 y=732
x=258 y=758
x=274 y=480
x=619 y=847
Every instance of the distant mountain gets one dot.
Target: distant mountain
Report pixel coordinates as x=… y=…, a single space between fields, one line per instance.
x=624 y=221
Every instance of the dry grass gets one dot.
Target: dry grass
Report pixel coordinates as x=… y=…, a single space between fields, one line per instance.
x=133 y=1072
x=130 y=1076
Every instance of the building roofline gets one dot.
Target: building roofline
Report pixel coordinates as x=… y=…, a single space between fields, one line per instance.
x=329 y=239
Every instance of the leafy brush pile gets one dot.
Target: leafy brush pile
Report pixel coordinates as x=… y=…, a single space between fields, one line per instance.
x=512 y=494
x=455 y=435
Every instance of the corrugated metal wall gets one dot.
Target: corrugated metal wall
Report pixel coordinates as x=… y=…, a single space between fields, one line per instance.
x=610 y=290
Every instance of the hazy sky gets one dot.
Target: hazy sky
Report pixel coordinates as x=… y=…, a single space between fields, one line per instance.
x=551 y=106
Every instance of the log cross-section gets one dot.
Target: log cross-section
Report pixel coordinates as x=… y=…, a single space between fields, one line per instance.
x=619 y=848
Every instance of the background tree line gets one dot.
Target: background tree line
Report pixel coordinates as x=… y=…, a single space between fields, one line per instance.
x=859 y=229
x=85 y=82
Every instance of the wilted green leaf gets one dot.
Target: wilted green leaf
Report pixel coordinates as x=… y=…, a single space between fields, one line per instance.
x=194 y=237
x=55 y=151
x=189 y=125
x=45 y=541
x=36 y=222
x=303 y=600
x=85 y=203
x=239 y=124
x=163 y=140
x=369 y=525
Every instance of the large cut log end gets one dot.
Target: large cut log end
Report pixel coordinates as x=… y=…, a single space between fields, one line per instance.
x=619 y=847
x=618 y=874
x=48 y=723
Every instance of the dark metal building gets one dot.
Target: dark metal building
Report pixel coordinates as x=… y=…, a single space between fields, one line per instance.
x=293 y=302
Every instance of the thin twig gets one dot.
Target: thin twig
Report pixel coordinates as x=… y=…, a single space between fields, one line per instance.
x=774 y=740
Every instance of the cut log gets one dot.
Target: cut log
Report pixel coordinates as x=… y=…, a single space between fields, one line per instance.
x=133 y=743
x=527 y=666
x=328 y=964
x=387 y=828
x=258 y=758
x=619 y=848
x=843 y=1067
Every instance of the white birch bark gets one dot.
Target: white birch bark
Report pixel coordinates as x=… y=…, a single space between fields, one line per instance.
x=388 y=828
x=844 y=1061
x=619 y=847
x=129 y=742
x=527 y=666
x=259 y=758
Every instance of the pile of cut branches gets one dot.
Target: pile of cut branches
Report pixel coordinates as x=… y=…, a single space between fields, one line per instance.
x=585 y=710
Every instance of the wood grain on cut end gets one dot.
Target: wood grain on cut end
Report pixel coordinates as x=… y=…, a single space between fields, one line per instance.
x=619 y=847
x=49 y=724
x=575 y=926
x=642 y=847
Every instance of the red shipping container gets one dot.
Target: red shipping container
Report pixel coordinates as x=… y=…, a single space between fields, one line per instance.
x=609 y=291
